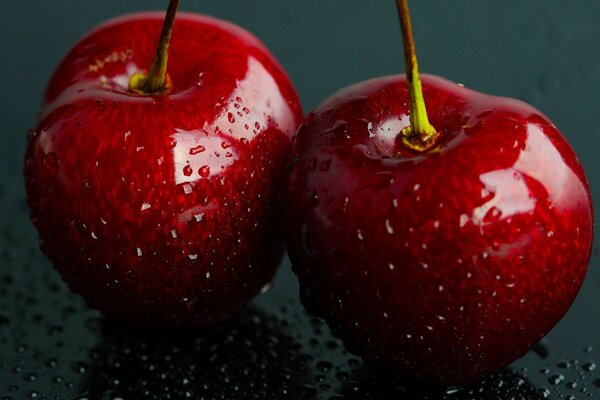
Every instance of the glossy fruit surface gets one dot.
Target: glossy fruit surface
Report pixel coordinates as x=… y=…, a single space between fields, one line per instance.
x=160 y=209
x=449 y=264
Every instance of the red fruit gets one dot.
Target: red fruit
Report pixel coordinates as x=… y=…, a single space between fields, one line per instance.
x=447 y=262
x=158 y=208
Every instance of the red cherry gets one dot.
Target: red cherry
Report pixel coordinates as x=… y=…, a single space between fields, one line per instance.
x=447 y=258
x=157 y=207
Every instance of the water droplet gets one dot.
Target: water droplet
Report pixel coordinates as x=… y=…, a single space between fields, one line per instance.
x=359 y=234
x=145 y=206
x=197 y=149
x=388 y=227
x=204 y=171
x=193 y=256
x=324 y=366
x=187 y=170
x=589 y=366
x=230 y=118
x=199 y=217
x=556 y=379
x=138 y=251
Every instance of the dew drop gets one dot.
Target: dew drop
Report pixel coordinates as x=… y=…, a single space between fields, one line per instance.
x=204 y=171
x=199 y=217
x=556 y=379
x=359 y=234
x=589 y=366
x=388 y=227
x=196 y=150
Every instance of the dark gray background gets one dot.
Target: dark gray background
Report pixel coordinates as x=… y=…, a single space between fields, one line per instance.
x=546 y=52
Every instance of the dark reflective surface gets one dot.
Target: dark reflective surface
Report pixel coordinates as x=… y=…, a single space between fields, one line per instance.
x=52 y=346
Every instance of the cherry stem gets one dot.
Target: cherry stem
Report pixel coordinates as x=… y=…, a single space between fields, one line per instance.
x=421 y=134
x=157 y=81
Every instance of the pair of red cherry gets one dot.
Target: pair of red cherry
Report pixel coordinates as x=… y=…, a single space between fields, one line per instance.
x=443 y=246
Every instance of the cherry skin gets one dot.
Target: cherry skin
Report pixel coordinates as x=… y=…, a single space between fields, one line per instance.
x=159 y=209
x=447 y=264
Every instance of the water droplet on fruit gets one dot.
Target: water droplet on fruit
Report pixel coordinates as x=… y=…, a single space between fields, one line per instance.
x=359 y=234
x=388 y=227
x=193 y=256
x=187 y=170
x=230 y=118
x=199 y=217
x=145 y=206
x=138 y=252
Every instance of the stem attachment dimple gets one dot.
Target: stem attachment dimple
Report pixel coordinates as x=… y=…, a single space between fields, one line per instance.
x=420 y=135
x=157 y=81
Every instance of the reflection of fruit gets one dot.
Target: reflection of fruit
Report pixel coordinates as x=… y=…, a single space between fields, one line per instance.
x=156 y=206
x=448 y=256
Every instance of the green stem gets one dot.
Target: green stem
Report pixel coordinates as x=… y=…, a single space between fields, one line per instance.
x=421 y=134
x=157 y=80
